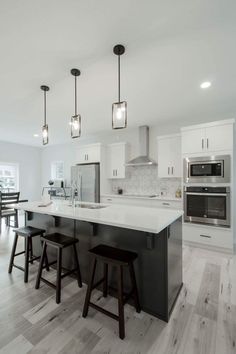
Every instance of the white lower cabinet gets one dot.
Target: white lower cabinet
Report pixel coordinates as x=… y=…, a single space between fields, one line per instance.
x=148 y=202
x=208 y=236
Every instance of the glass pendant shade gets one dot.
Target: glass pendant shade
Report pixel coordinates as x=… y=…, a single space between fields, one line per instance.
x=76 y=126
x=119 y=115
x=45 y=134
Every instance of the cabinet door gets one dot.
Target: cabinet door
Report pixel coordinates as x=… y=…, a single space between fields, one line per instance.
x=93 y=154
x=164 y=158
x=175 y=153
x=116 y=161
x=219 y=138
x=193 y=141
x=81 y=155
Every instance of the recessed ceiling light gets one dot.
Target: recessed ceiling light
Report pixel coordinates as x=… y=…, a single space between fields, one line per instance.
x=205 y=84
x=36 y=135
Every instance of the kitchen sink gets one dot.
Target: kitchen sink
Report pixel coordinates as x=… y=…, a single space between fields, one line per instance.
x=89 y=206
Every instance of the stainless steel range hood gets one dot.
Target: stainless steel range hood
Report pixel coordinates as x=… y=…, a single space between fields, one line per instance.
x=143 y=159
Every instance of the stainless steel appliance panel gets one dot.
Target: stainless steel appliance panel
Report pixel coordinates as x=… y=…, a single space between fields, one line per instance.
x=86 y=179
x=207 y=169
x=207 y=205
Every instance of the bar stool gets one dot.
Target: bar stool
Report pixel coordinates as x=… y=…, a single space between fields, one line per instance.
x=59 y=242
x=119 y=258
x=28 y=232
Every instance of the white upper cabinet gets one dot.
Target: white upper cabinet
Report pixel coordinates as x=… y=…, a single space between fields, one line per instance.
x=169 y=156
x=219 y=137
x=89 y=153
x=213 y=137
x=116 y=159
x=193 y=141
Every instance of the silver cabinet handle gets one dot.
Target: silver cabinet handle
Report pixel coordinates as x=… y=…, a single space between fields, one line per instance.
x=165 y=203
x=207 y=143
x=116 y=172
x=207 y=236
x=172 y=170
x=109 y=199
x=168 y=170
x=202 y=143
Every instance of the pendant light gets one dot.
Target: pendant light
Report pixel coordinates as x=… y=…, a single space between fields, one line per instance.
x=45 y=126
x=76 y=119
x=119 y=109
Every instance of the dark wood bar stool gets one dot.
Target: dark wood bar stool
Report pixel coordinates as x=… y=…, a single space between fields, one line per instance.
x=119 y=258
x=59 y=242
x=28 y=232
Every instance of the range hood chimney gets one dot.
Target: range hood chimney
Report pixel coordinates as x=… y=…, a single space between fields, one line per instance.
x=143 y=159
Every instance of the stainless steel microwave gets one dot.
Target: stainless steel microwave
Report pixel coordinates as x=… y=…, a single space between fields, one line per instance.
x=207 y=169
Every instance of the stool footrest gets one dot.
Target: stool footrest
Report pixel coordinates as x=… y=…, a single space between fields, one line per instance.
x=18 y=267
x=51 y=263
x=68 y=273
x=19 y=253
x=98 y=283
x=48 y=283
x=101 y=309
x=34 y=258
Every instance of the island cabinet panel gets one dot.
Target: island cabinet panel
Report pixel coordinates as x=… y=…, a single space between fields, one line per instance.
x=158 y=267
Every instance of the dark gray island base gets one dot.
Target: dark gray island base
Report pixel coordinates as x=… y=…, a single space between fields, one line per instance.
x=158 y=268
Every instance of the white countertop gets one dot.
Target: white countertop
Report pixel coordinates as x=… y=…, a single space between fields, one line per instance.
x=129 y=217
x=133 y=196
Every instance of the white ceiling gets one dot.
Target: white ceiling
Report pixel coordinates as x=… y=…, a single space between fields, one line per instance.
x=171 y=47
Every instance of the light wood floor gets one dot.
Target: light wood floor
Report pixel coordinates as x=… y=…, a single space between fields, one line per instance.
x=204 y=319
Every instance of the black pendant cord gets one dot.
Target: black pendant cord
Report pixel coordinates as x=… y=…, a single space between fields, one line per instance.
x=118 y=78
x=45 y=103
x=75 y=95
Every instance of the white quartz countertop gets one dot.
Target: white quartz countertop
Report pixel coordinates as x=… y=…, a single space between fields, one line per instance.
x=130 y=217
x=134 y=196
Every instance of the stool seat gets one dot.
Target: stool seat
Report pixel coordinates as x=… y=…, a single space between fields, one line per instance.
x=29 y=231
x=59 y=240
x=113 y=255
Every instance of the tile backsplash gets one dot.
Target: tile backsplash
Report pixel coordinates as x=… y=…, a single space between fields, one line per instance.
x=144 y=180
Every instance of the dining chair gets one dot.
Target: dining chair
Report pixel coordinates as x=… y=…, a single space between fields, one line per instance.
x=6 y=211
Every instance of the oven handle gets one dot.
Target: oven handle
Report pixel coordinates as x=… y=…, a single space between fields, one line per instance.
x=208 y=194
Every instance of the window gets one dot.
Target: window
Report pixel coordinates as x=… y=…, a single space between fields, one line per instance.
x=57 y=170
x=9 y=180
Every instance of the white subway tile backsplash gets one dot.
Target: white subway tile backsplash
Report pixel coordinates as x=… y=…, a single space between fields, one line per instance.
x=144 y=180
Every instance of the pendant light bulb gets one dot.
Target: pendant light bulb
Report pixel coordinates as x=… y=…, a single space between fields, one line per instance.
x=76 y=118
x=45 y=88
x=119 y=109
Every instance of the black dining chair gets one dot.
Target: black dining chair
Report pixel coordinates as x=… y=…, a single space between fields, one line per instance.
x=6 y=199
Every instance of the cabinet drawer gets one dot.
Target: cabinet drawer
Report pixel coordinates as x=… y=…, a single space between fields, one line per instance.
x=209 y=236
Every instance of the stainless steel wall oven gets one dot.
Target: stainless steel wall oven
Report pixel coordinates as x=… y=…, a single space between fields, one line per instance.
x=208 y=205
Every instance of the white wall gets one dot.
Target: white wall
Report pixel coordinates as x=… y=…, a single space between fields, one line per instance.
x=29 y=160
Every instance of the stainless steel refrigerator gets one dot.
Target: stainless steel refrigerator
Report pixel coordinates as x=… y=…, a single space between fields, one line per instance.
x=86 y=179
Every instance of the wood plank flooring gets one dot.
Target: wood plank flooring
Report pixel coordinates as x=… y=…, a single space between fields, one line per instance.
x=203 y=321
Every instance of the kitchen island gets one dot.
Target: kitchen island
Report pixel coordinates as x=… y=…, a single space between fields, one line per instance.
x=154 y=233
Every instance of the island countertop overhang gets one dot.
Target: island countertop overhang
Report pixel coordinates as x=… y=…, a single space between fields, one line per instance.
x=151 y=220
